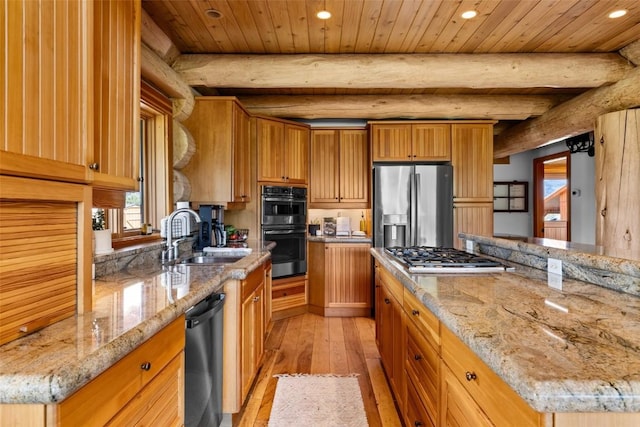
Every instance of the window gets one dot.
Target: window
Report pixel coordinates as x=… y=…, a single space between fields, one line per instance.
x=152 y=201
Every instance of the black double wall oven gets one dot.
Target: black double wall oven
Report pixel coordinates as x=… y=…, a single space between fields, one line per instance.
x=284 y=218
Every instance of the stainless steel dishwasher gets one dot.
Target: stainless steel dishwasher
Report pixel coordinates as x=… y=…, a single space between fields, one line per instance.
x=203 y=363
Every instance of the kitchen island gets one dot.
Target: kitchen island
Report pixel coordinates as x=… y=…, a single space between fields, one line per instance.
x=130 y=306
x=569 y=350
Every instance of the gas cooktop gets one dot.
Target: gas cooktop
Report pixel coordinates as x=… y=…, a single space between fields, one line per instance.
x=430 y=259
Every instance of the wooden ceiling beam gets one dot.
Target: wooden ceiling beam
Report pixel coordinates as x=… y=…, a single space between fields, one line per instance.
x=571 y=118
x=632 y=52
x=478 y=71
x=499 y=107
x=154 y=70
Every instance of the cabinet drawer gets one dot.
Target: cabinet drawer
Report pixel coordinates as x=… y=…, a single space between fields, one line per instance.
x=297 y=289
x=416 y=414
x=160 y=403
x=423 y=368
x=422 y=317
x=105 y=395
x=501 y=404
x=251 y=283
x=393 y=285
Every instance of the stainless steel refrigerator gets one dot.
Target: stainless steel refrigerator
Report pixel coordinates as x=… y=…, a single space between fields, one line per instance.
x=412 y=205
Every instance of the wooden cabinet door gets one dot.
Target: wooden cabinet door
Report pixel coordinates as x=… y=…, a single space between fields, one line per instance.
x=384 y=322
x=399 y=376
x=241 y=155
x=472 y=160
x=325 y=172
x=348 y=273
x=46 y=116
x=211 y=125
x=355 y=172
x=116 y=49
x=431 y=142
x=296 y=154
x=270 y=136
x=391 y=143
x=253 y=330
x=473 y=218
x=457 y=408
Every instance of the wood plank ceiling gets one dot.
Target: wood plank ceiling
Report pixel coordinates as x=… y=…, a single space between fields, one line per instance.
x=398 y=27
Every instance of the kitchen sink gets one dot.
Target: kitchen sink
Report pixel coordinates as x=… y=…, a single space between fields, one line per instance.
x=210 y=260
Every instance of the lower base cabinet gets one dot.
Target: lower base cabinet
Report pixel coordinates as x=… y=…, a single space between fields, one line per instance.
x=288 y=297
x=245 y=326
x=340 y=279
x=146 y=387
x=443 y=382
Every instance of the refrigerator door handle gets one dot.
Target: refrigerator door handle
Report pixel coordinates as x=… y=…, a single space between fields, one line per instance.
x=414 y=208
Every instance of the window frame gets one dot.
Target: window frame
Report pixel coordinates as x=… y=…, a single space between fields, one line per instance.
x=156 y=112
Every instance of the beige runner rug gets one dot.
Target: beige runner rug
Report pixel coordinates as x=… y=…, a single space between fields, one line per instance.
x=317 y=400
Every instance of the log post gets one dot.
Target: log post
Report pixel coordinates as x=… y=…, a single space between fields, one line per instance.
x=617 y=147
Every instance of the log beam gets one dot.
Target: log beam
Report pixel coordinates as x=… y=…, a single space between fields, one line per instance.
x=500 y=107
x=571 y=118
x=157 y=40
x=632 y=52
x=159 y=73
x=515 y=70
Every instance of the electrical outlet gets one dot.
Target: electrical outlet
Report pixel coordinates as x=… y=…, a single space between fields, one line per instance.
x=554 y=266
x=470 y=246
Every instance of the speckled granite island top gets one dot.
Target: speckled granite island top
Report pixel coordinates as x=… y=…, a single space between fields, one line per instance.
x=570 y=350
x=129 y=307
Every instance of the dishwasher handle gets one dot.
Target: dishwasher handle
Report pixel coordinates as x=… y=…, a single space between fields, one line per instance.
x=213 y=307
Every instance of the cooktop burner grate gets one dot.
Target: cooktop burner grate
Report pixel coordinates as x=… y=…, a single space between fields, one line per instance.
x=435 y=259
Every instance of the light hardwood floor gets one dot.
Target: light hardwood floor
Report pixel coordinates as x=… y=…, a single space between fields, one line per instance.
x=311 y=344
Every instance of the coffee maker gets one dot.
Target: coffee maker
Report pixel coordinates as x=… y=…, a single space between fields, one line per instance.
x=212 y=232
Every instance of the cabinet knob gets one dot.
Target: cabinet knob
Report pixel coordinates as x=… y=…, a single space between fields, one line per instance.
x=387 y=301
x=417 y=357
x=94 y=166
x=140 y=179
x=470 y=376
x=256 y=299
x=418 y=423
x=415 y=312
x=145 y=366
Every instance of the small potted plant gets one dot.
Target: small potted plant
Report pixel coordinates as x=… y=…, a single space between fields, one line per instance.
x=101 y=235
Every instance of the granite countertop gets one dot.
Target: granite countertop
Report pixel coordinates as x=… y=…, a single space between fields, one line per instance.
x=339 y=239
x=130 y=306
x=571 y=350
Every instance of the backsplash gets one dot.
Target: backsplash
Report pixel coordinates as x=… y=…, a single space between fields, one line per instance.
x=315 y=216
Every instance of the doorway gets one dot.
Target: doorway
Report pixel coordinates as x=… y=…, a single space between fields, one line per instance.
x=552 y=201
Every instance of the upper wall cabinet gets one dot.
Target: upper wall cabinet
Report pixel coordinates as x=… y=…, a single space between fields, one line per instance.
x=340 y=170
x=72 y=91
x=405 y=142
x=472 y=160
x=219 y=171
x=116 y=94
x=283 y=151
x=46 y=99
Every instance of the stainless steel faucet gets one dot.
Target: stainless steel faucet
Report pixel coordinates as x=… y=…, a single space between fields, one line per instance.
x=171 y=253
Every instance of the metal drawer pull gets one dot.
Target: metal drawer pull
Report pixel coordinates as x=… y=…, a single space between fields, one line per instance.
x=387 y=301
x=470 y=376
x=145 y=366
x=417 y=357
x=415 y=312
x=418 y=423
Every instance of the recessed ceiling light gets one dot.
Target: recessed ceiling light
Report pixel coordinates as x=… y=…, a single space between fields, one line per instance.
x=323 y=14
x=617 y=13
x=469 y=14
x=213 y=13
